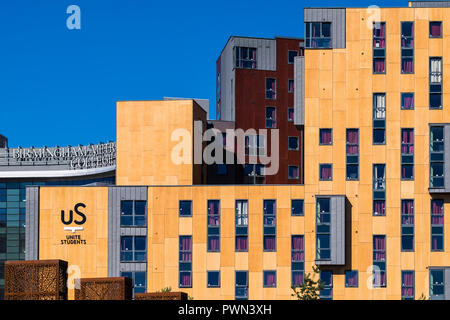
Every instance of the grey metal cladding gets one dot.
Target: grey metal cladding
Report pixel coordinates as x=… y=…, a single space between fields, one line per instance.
x=115 y=196
x=446 y=188
x=299 y=90
x=337 y=237
x=447 y=283
x=430 y=4
x=266 y=51
x=337 y=17
x=32 y=223
x=130 y=267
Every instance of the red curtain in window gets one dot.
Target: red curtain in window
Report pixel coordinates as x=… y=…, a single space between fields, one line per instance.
x=437 y=212
x=408 y=212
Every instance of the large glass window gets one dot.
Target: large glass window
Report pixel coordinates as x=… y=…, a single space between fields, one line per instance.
x=437 y=283
x=351 y=279
x=245 y=57
x=270 y=279
x=213 y=279
x=326 y=172
x=133 y=213
x=325 y=137
x=139 y=280
x=293 y=143
x=185 y=208
x=407 y=43
x=437 y=225
x=436 y=83
x=407 y=154
x=271 y=117
x=241 y=286
x=379 y=118
x=379 y=47
x=133 y=249
x=437 y=157
x=269 y=225
x=291 y=56
x=407 y=100
x=407 y=225
x=379 y=261
x=297 y=260
x=352 y=150
x=213 y=225
x=379 y=190
x=255 y=145
x=293 y=172
x=297 y=207
x=435 y=29
x=323 y=229
x=327 y=278
x=185 y=262
x=318 y=35
x=408 y=285
x=271 y=88
x=241 y=225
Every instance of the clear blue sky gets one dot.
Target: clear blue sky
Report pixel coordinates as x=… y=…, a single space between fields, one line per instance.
x=59 y=86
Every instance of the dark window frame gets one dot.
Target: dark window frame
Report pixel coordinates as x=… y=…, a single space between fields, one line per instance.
x=302 y=214
x=407 y=159
x=346 y=279
x=436 y=88
x=241 y=230
x=241 y=63
x=213 y=231
x=404 y=227
x=180 y=209
x=402 y=94
x=436 y=225
x=379 y=122
x=436 y=157
x=267 y=228
x=403 y=54
x=441 y=27
x=323 y=222
x=320 y=137
x=413 y=286
x=309 y=38
x=264 y=278
x=271 y=94
x=236 y=286
x=321 y=165
x=297 y=265
x=350 y=162
x=379 y=193
x=208 y=285
x=289 y=56
x=133 y=214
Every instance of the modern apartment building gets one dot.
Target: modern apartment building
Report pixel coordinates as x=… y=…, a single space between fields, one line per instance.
x=255 y=90
x=371 y=94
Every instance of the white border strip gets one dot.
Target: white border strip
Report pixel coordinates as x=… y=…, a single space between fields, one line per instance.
x=55 y=173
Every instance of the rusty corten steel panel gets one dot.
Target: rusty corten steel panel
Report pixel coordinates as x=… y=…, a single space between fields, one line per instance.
x=119 y=288
x=36 y=280
x=161 y=296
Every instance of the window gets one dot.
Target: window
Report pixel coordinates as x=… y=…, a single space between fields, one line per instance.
x=213 y=225
x=437 y=284
x=352 y=154
x=270 y=224
x=185 y=263
x=325 y=136
x=245 y=57
x=293 y=143
x=241 y=225
x=407 y=154
x=437 y=225
x=407 y=225
x=241 y=286
x=290 y=86
x=255 y=145
x=323 y=229
x=133 y=213
x=379 y=190
x=379 y=261
x=435 y=29
x=407 y=45
x=379 y=118
x=271 y=117
x=407 y=100
x=297 y=207
x=407 y=285
x=437 y=157
x=291 y=114
x=185 y=208
x=379 y=47
x=291 y=56
x=325 y=172
x=133 y=248
x=221 y=169
x=254 y=170
x=213 y=279
x=271 y=89
x=293 y=172
x=138 y=279
x=318 y=35
x=436 y=83
x=297 y=260
x=351 y=279
x=327 y=292
x=270 y=279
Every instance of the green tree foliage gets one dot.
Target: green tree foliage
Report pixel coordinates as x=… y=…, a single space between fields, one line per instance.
x=310 y=289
